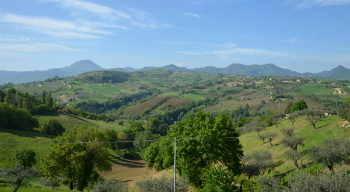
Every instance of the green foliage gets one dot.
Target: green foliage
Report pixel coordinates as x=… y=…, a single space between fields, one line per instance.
x=288 y=107
x=320 y=182
x=26 y=158
x=12 y=117
x=22 y=171
x=141 y=140
x=104 y=77
x=110 y=186
x=298 y=106
x=292 y=141
x=52 y=127
x=78 y=162
x=218 y=179
x=196 y=155
x=18 y=175
x=256 y=163
x=313 y=120
x=272 y=181
x=334 y=151
x=163 y=184
x=54 y=183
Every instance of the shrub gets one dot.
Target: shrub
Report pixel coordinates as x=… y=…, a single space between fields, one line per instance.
x=163 y=184
x=110 y=186
x=52 y=127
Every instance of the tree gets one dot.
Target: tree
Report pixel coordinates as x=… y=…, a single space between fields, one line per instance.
x=22 y=171
x=52 y=127
x=143 y=140
x=292 y=141
x=313 y=120
x=256 y=163
x=43 y=97
x=26 y=158
x=288 y=107
x=298 y=106
x=269 y=136
x=292 y=116
x=215 y=143
x=334 y=151
x=277 y=120
x=321 y=182
x=75 y=158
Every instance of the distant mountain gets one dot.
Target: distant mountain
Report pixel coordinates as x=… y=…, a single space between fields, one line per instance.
x=339 y=72
x=250 y=70
x=83 y=66
x=29 y=76
x=126 y=69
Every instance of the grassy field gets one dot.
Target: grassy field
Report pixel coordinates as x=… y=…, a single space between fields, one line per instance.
x=29 y=140
x=330 y=127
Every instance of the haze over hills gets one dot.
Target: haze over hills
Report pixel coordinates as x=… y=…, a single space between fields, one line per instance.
x=83 y=66
x=29 y=76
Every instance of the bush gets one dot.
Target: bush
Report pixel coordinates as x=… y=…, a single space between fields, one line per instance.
x=51 y=183
x=110 y=186
x=298 y=106
x=163 y=184
x=52 y=127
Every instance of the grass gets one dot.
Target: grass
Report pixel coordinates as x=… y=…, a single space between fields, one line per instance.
x=29 y=140
x=316 y=89
x=330 y=127
x=193 y=96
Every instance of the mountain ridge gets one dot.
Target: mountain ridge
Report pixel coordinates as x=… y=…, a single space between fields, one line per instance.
x=83 y=66
x=76 y=68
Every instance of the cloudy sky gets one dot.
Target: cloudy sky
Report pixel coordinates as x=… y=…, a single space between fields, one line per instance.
x=301 y=35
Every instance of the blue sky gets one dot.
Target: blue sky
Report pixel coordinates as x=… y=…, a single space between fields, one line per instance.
x=301 y=35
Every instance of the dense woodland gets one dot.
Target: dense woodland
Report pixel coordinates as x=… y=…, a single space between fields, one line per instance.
x=234 y=133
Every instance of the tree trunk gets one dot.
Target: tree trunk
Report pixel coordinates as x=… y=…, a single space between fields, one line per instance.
x=18 y=185
x=270 y=142
x=71 y=185
x=314 y=125
x=296 y=164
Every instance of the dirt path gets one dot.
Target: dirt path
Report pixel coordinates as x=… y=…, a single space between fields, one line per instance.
x=130 y=171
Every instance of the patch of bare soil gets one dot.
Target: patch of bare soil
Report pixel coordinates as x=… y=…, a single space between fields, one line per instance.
x=130 y=171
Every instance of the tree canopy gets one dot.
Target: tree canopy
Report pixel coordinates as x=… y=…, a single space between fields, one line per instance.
x=216 y=143
x=76 y=160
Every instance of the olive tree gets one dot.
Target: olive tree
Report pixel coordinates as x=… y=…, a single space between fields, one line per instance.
x=22 y=171
x=334 y=151
x=292 y=141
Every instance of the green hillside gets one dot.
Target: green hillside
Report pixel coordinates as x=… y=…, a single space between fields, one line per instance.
x=330 y=127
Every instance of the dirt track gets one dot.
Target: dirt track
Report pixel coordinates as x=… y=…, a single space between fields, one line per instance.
x=130 y=171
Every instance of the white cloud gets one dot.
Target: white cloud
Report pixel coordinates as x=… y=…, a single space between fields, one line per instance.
x=144 y=20
x=291 y=40
x=304 y=4
x=192 y=15
x=59 y=28
x=90 y=7
x=237 y=51
x=135 y=17
x=15 y=39
x=34 y=47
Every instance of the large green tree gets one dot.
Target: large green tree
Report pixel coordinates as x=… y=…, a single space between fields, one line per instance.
x=203 y=142
x=78 y=155
x=298 y=106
